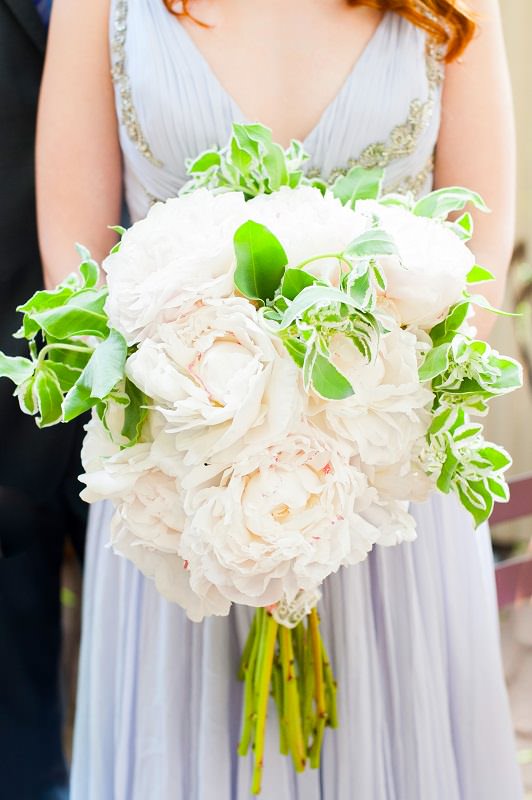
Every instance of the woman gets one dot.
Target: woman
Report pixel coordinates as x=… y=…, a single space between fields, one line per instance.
x=412 y=632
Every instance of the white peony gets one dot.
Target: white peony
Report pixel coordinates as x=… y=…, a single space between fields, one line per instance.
x=431 y=272
x=309 y=224
x=278 y=520
x=393 y=521
x=215 y=374
x=181 y=251
x=169 y=572
x=388 y=412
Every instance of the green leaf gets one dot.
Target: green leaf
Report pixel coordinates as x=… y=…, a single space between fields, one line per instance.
x=16 y=368
x=260 y=261
x=446 y=330
x=374 y=242
x=275 y=164
x=49 y=397
x=497 y=457
x=511 y=374
x=478 y=274
x=206 y=160
x=379 y=276
x=89 y=269
x=257 y=133
x=328 y=382
x=26 y=397
x=309 y=360
x=240 y=158
x=104 y=370
x=119 y=229
x=467 y=432
x=69 y=321
x=244 y=141
x=466 y=223
x=442 y=202
x=436 y=362
x=444 y=419
x=135 y=412
x=477 y=499
x=45 y=299
x=297 y=350
x=294 y=281
x=315 y=296
x=360 y=289
x=448 y=472
x=358 y=184
x=480 y=301
x=499 y=489
x=66 y=375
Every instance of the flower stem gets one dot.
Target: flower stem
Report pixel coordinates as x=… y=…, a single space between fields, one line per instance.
x=319 y=689
x=307 y=261
x=308 y=690
x=278 y=694
x=71 y=347
x=264 y=674
x=330 y=688
x=248 y=648
x=247 y=673
x=292 y=706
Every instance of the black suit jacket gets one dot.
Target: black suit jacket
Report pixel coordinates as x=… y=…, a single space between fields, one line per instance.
x=36 y=466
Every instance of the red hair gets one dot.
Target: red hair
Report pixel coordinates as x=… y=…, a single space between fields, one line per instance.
x=449 y=22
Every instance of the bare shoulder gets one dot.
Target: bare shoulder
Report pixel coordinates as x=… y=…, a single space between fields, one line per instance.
x=91 y=17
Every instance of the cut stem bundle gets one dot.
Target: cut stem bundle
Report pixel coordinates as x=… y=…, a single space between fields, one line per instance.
x=292 y=665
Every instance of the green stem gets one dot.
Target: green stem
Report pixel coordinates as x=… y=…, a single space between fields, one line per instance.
x=308 y=691
x=339 y=256
x=264 y=671
x=248 y=647
x=278 y=693
x=248 y=672
x=292 y=706
x=73 y=347
x=321 y=709
x=330 y=688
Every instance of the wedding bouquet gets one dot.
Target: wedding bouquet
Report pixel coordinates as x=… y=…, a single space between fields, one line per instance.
x=275 y=370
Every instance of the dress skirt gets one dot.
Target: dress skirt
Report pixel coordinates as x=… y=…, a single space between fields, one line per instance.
x=413 y=637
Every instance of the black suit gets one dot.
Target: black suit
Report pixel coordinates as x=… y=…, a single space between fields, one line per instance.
x=39 y=505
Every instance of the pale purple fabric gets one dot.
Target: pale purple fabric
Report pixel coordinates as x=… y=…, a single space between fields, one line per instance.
x=412 y=632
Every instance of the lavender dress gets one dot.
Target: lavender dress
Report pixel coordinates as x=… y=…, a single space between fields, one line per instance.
x=412 y=632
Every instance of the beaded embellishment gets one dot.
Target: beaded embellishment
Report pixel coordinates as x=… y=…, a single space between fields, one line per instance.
x=404 y=137
x=121 y=80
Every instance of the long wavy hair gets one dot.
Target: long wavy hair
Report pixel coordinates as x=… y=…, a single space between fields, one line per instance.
x=449 y=22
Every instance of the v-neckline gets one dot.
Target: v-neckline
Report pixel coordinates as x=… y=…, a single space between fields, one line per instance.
x=240 y=116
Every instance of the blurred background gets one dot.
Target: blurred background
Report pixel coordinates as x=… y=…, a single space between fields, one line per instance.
x=511 y=418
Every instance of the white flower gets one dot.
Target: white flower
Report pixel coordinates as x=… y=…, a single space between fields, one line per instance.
x=431 y=273
x=181 y=251
x=170 y=573
x=393 y=521
x=110 y=471
x=309 y=224
x=388 y=412
x=144 y=484
x=404 y=481
x=216 y=373
x=279 y=520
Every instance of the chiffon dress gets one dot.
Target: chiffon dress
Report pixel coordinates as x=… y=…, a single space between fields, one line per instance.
x=412 y=632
